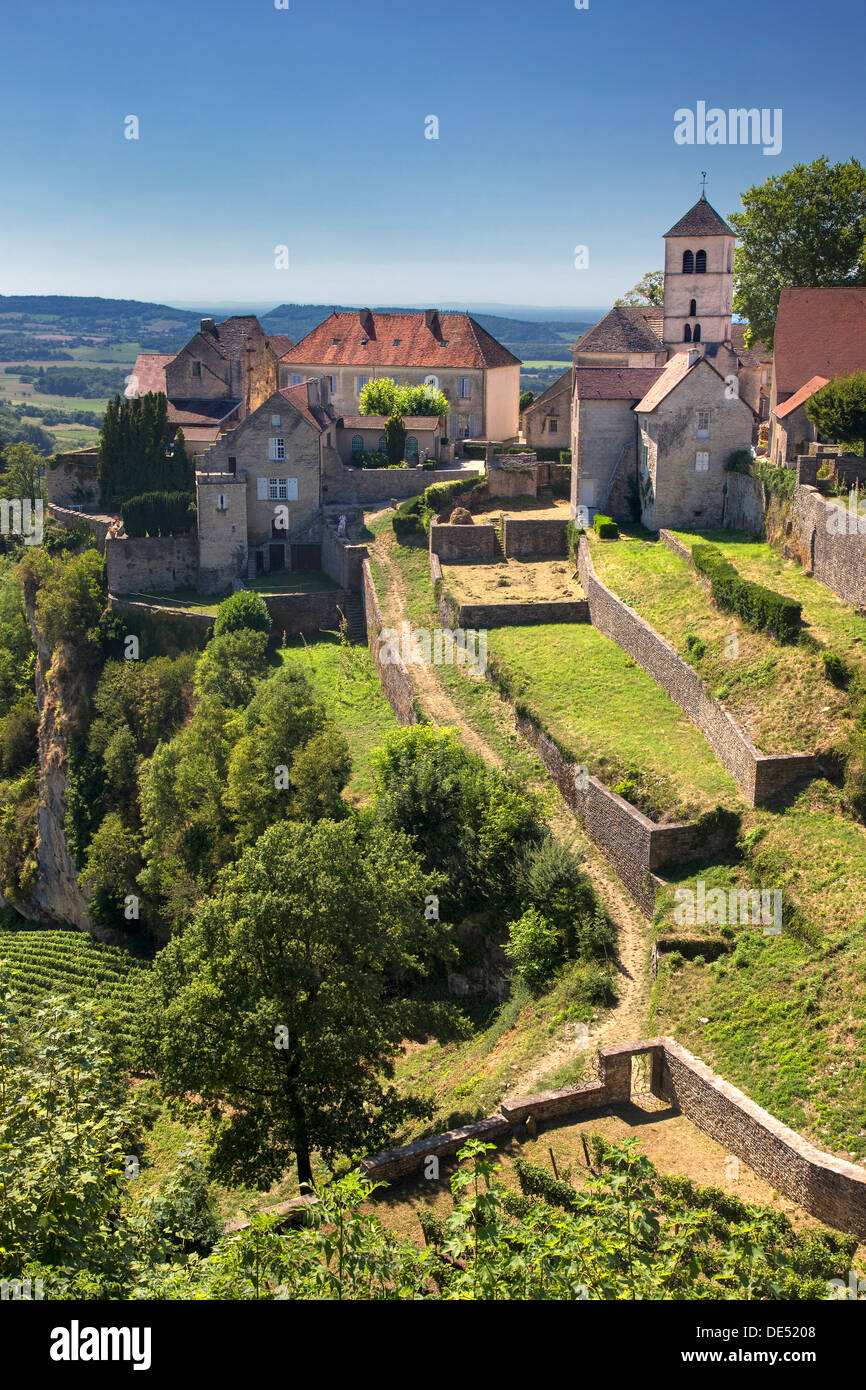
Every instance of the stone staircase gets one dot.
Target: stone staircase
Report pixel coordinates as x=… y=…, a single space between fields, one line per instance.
x=355 y=619
x=498 y=529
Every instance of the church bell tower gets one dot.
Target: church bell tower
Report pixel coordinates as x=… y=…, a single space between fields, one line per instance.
x=699 y=263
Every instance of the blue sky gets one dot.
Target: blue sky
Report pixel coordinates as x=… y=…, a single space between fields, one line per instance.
x=305 y=128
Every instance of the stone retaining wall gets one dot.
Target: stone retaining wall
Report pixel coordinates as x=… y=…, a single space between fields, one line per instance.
x=525 y=536
x=463 y=542
x=520 y=614
x=832 y=552
x=757 y=774
x=294 y=613
x=341 y=560
x=633 y=844
x=394 y=676
x=744 y=503
x=151 y=564
x=377 y=484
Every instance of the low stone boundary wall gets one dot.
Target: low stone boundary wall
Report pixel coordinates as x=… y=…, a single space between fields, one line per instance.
x=376 y=484
x=539 y=537
x=66 y=516
x=463 y=542
x=393 y=675
x=295 y=613
x=830 y=1189
x=522 y=614
x=758 y=775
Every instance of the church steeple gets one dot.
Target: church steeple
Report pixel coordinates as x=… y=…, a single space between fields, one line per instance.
x=699 y=262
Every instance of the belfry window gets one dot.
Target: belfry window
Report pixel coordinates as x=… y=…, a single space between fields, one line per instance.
x=696 y=336
x=701 y=263
x=688 y=263
x=693 y=307
x=687 y=334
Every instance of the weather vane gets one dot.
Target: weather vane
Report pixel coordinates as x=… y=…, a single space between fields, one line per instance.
x=704 y=182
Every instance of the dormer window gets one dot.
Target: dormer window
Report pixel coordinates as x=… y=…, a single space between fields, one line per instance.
x=334 y=341
x=693 y=307
x=396 y=342
x=701 y=263
x=364 y=342
x=688 y=263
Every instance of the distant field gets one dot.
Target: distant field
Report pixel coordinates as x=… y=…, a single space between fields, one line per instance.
x=560 y=363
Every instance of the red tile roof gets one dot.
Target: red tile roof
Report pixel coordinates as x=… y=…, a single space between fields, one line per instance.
x=280 y=344
x=316 y=416
x=615 y=383
x=669 y=377
x=819 y=332
x=401 y=340
x=812 y=385
x=148 y=374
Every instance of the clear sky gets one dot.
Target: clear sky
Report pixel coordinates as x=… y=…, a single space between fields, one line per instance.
x=305 y=127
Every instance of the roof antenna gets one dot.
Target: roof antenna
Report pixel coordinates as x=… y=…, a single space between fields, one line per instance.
x=704 y=184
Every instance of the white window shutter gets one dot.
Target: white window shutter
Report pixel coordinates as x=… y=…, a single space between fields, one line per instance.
x=262 y=489
x=291 y=489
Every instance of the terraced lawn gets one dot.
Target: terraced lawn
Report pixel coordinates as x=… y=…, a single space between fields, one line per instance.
x=511 y=581
x=610 y=714
x=779 y=693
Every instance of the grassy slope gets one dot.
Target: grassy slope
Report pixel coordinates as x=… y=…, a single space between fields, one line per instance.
x=773 y=690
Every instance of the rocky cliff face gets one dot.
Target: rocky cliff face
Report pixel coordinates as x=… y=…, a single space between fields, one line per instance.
x=60 y=686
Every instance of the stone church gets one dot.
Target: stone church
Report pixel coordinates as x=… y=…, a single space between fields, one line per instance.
x=662 y=395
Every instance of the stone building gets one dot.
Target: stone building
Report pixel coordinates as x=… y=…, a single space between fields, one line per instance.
x=791 y=430
x=610 y=456
x=479 y=377
x=688 y=424
x=547 y=421
x=225 y=371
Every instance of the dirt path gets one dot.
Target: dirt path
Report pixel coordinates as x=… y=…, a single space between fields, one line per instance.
x=627 y=1019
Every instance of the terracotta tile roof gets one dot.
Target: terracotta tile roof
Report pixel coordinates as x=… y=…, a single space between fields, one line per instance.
x=378 y=422
x=812 y=385
x=625 y=328
x=401 y=340
x=819 y=332
x=562 y=383
x=316 y=416
x=754 y=356
x=200 y=412
x=148 y=374
x=701 y=220
x=615 y=383
x=280 y=344
x=670 y=376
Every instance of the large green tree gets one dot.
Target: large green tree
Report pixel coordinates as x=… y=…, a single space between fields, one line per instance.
x=282 y=1007
x=650 y=289
x=383 y=396
x=137 y=451
x=801 y=228
x=839 y=410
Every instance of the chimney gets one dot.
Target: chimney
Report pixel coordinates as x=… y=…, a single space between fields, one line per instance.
x=431 y=318
x=208 y=325
x=314 y=391
x=366 y=319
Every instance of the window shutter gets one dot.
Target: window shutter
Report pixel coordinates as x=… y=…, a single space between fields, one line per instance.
x=291 y=489
x=262 y=489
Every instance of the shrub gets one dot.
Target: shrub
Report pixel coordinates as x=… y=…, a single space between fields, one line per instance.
x=533 y=947
x=243 y=609
x=605 y=528
x=159 y=514
x=762 y=609
x=565 y=456
x=695 y=648
x=461 y=517
x=740 y=461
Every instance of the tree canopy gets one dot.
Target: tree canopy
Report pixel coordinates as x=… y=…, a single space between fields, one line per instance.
x=838 y=410
x=137 y=453
x=802 y=228
x=650 y=289
x=383 y=396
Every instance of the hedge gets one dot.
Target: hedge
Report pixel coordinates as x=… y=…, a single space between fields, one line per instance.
x=762 y=609
x=159 y=514
x=411 y=519
x=604 y=527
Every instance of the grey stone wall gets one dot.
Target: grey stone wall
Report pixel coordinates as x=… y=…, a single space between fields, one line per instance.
x=294 y=613
x=744 y=504
x=394 y=677
x=98 y=524
x=72 y=479
x=381 y=484
x=522 y=614
x=463 y=542
x=342 y=561
x=151 y=564
x=523 y=537
x=832 y=552
x=758 y=775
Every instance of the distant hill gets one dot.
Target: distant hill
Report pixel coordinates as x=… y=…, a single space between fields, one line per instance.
x=162 y=328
